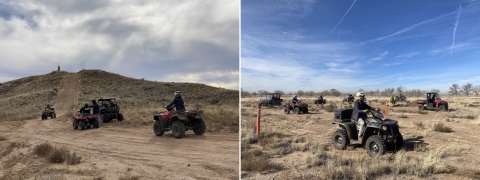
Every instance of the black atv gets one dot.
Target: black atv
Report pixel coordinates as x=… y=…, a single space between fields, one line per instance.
x=378 y=137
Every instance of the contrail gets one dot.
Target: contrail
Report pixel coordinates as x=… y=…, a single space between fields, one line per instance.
x=455 y=29
x=342 y=18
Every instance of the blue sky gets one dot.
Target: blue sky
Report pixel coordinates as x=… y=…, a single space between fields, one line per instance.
x=305 y=45
x=173 y=41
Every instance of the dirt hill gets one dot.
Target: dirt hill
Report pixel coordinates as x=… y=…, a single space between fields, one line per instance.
x=140 y=99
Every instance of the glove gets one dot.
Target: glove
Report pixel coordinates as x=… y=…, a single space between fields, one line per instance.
x=376 y=109
x=365 y=111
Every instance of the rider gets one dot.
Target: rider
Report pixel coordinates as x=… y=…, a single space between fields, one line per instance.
x=360 y=108
x=96 y=107
x=294 y=99
x=48 y=107
x=320 y=99
x=85 y=109
x=178 y=102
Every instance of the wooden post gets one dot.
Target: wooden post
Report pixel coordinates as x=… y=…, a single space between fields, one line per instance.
x=258 y=119
x=386 y=107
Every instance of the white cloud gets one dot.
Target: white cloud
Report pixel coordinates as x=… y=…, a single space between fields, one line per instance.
x=132 y=38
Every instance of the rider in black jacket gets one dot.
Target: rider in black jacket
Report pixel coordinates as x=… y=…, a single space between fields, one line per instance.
x=85 y=109
x=360 y=108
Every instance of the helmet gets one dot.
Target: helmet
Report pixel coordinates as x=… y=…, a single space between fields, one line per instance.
x=360 y=94
x=48 y=104
x=94 y=102
x=177 y=94
x=86 y=103
x=294 y=96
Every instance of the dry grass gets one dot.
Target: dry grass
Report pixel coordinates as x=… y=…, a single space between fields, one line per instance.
x=440 y=127
x=25 y=98
x=257 y=160
x=141 y=99
x=419 y=125
x=55 y=154
x=330 y=107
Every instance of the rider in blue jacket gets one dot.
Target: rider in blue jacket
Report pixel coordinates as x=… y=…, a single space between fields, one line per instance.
x=177 y=102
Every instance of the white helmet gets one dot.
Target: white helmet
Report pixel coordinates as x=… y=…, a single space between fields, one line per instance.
x=294 y=96
x=177 y=94
x=360 y=94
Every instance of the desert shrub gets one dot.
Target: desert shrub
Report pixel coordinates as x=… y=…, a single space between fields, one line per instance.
x=43 y=149
x=440 y=127
x=73 y=158
x=330 y=107
x=470 y=117
x=58 y=155
x=3 y=138
x=257 y=160
x=419 y=125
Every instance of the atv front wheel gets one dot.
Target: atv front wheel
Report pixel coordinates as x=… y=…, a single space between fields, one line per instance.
x=75 y=124
x=178 y=129
x=296 y=110
x=375 y=146
x=200 y=127
x=286 y=111
x=158 y=129
x=398 y=142
x=82 y=125
x=51 y=116
x=340 y=139
x=305 y=110
x=43 y=116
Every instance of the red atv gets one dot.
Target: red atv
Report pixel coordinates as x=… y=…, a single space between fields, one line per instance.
x=85 y=121
x=297 y=108
x=179 y=123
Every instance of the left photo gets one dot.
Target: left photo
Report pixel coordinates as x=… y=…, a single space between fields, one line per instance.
x=119 y=89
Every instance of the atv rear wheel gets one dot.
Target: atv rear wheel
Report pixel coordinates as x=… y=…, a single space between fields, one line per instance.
x=441 y=108
x=178 y=129
x=158 y=129
x=200 y=127
x=398 y=142
x=340 y=139
x=286 y=111
x=51 y=116
x=296 y=110
x=82 y=125
x=96 y=123
x=120 y=117
x=375 y=146
x=75 y=124
x=421 y=107
x=305 y=110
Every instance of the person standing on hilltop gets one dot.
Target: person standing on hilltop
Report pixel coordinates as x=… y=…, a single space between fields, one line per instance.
x=177 y=102
x=58 y=68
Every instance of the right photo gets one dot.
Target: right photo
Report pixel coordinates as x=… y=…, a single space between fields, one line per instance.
x=360 y=89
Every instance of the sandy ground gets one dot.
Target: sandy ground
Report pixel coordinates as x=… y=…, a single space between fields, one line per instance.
x=113 y=152
x=317 y=125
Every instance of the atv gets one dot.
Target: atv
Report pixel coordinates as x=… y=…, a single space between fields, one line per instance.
x=179 y=122
x=85 y=121
x=297 y=108
x=109 y=109
x=379 y=135
x=433 y=102
x=49 y=113
x=396 y=99
x=320 y=101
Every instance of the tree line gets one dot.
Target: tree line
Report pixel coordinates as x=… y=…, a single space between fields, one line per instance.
x=334 y=92
x=466 y=89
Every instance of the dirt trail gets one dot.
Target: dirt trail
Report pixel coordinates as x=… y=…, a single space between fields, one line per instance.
x=116 y=152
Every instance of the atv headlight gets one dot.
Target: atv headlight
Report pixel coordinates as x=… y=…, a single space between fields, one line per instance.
x=384 y=128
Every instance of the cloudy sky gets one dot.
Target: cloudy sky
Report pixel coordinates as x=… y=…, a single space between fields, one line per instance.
x=174 y=41
x=315 y=45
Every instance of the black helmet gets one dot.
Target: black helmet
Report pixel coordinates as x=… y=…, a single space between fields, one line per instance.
x=94 y=102
x=177 y=94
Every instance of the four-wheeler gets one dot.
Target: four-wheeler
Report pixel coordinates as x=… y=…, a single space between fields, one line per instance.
x=109 y=109
x=348 y=98
x=270 y=99
x=379 y=135
x=433 y=102
x=85 y=121
x=320 y=101
x=49 y=113
x=179 y=122
x=296 y=108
